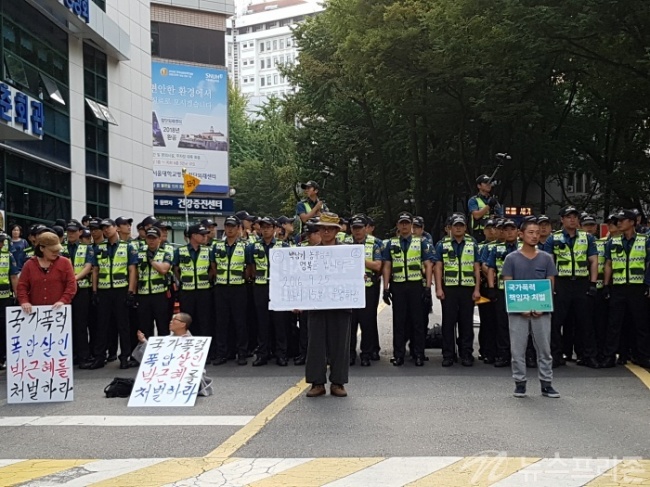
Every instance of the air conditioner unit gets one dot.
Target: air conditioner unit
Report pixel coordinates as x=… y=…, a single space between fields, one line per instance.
x=569 y=189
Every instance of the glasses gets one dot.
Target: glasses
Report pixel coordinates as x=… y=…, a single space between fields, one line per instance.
x=178 y=319
x=328 y=229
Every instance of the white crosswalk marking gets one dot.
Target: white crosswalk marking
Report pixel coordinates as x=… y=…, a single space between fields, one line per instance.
x=6 y=463
x=14 y=421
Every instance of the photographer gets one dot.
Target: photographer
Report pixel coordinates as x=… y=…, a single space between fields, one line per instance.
x=483 y=206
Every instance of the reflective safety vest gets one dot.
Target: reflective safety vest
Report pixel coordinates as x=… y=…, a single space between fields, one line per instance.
x=113 y=273
x=194 y=275
x=501 y=254
x=600 y=246
x=29 y=253
x=230 y=270
x=368 y=248
x=571 y=262
x=406 y=267
x=262 y=261
x=5 y=280
x=343 y=237
x=628 y=268
x=458 y=269
x=150 y=281
x=479 y=224
x=79 y=263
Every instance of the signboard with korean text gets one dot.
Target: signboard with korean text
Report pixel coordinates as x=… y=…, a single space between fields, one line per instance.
x=320 y=277
x=170 y=372
x=171 y=205
x=81 y=8
x=21 y=116
x=190 y=126
x=39 y=355
x=526 y=296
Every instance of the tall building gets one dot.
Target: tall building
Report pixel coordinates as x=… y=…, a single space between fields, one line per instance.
x=75 y=109
x=189 y=118
x=259 y=40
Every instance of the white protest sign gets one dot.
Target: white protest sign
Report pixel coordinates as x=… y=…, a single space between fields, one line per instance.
x=319 y=277
x=39 y=355
x=170 y=372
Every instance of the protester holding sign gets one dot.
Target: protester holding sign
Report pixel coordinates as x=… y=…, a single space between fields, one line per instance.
x=528 y=263
x=46 y=278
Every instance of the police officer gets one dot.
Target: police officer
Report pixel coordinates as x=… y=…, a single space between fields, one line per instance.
x=81 y=256
x=311 y=206
x=124 y=228
x=545 y=229
x=427 y=305
x=312 y=238
x=483 y=206
x=458 y=279
x=96 y=231
x=366 y=317
x=192 y=270
x=211 y=226
x=8 y=282
x=576 y=259
x=342 y=236
x=626 y=286
x=267 y=321
x=487 y=311
x=230 y=295
x=496 y=289
x=140 y=240
x=286 y=230
x=115 y=280
x=403 y=257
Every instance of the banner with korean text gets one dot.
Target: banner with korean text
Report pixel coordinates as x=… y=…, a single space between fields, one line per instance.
x=190 y=126
x=531 y=295
x=320 y=277
x=170 y=372
x=39 y=355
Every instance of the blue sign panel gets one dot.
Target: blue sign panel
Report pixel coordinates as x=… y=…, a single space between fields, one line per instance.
x=80 y=8
x=526 y=296
x=21 y=112
x=172 y=205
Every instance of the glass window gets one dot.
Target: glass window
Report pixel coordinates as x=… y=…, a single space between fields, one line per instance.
x=281 y=43
x=261 y=63
x=268 y=80
x=97 y=198
x=275 y=79
x=262 y=81
x=101 y=4
x=268 y=45
x=95 y=69
x=268 y=62
x=261 y=47
x=275 y=45
x=96 y=89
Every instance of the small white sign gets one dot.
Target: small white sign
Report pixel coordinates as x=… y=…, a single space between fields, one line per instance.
x=170 y=372
x=39 y=355
x=319 y=277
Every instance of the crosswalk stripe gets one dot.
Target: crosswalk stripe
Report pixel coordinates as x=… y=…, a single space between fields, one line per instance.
x=166 y=472
x=6 y=463
x=559 y=472
x=475 y=471
x=242 y=472
x=81 y=476
x=394 y=472
x=32 y=469
x=317 y=472
x=628 y=472
x=14 y=421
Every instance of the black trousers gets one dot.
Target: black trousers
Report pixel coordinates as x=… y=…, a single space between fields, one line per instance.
x=198 y=304
x=503 y=327
x=628 y=298
x=407 y=309
x=252 y=316
x=487 y=333
x=154 y=308
x=112 y=309
x=230 y=307
x=601 y=317
x=80 y=324
x=571 y=298
x=458 y=308
x=3 y=332
x=329 y=335
x=268 y=321
x=303 y=333
x=366 y=318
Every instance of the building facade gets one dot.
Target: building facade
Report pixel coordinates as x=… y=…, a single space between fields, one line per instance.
x=88 y=62
x=260 y=40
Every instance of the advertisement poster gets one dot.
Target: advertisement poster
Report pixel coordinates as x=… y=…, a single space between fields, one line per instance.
x=190 y=126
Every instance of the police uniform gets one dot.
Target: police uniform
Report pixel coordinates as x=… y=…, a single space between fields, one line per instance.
x=575 y=291
x=230 y=296
x=477 y=203
x=626 y=276
x=457 y=266
x=153 y=289
x=601 y=311
x=403 y=257
x=8 y=277
x=487 y=311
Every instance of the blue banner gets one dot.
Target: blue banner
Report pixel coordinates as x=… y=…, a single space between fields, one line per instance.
x=172 y=205
x=190 y=126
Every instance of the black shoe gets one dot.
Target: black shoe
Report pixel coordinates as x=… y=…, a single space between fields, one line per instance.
x=531 y=363
x=558 y=363
x=133 y=363
x=621 y=361
x=299 y=360
x=467 y=361
x=219 y=361
x=548 y=391
x=374 y=356
x=397 y=361
x=568 y=358
x=365 y=362
x=501 y=362
x=281 y=361
x=481 y=357
x=520 y=389
x=591 y=362
x=96 y=364
x=488 y=360
x=353 y=360
x=419 y=361
x=608 y=363
x=124 y=364
x=260 y=361
x=112 y=358
x=242 y=360
x=447 y=362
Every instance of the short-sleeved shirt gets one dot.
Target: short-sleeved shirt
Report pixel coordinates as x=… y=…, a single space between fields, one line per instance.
x=301 y=208
x=428 y=252
x=168 y=257
x=458 y=248
x=472 y=205
x=250 y=248
x=132 y=252
x=376 y=249
x=485 y=250
x=627 y=246
x=13 y=266
x=492 y=256
x=194 y=254
x=570 y=241
x=519 y=267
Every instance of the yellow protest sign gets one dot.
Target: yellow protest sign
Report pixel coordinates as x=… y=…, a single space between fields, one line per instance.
x=190 y=183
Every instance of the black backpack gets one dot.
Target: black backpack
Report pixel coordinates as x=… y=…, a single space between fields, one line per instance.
x=120 y=387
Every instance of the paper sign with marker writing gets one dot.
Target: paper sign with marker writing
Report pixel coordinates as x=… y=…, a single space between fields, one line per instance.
x=39 y=355
x=170 y=371
x=319 y=277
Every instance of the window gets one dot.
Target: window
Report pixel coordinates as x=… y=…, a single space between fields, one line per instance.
x=281 y=43
x=101 y=4
x=262 y=80
x=258 y=27
x=97 y=198
x=96 y=122
x=184 y=43
x=245 y=80
x=261 y=47
x=285 y=22
x=251 y=79
x=268 y=80
x=245 y=62
x=281 y=79
x=275 y=45
x=275 y=60
x=289 y=42
x=271 y=25
x=268 y=62
x=275 y=79
x=268 y=45
x=261 y=63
